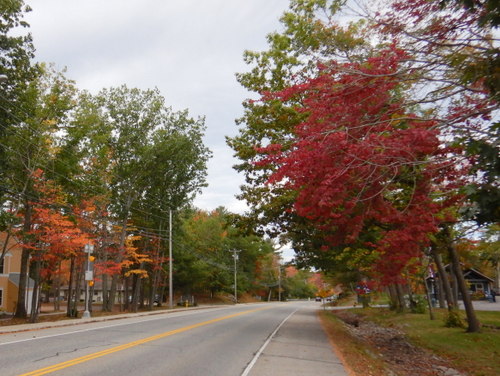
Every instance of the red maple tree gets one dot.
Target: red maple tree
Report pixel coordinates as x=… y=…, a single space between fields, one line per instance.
x=54 y=236
x=360 y=161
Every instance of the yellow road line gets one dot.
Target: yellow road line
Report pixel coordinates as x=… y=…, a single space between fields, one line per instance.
x=125 y=346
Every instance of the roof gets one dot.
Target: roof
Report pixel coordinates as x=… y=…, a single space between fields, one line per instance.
x=471 y=273
x=14 y=278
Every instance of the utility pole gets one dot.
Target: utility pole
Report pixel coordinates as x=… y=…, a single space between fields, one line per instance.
x=170 y=282
x=235 y=257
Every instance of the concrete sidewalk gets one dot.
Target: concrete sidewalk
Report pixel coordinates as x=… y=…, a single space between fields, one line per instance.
x=299 y=348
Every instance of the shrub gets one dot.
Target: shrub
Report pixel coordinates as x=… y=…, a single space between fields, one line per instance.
x=418 y=304
x=453 y=320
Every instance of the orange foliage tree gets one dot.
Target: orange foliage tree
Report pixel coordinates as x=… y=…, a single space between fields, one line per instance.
x=54 y=236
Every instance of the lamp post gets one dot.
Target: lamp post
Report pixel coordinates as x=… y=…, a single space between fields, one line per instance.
x=235 y=257
x=89 y=278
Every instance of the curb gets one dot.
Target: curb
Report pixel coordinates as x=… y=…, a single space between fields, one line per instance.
x=10 y=329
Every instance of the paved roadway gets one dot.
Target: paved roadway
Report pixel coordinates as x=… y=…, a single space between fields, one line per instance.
x=248 y=340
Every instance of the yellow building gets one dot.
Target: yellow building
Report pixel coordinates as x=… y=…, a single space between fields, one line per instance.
x=10 y=271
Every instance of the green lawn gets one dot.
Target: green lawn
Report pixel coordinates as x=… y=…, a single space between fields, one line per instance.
x=476 y=353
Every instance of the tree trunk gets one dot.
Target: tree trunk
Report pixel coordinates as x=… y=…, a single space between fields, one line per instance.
x=69 y=305
x=163 y=287
x=153 y=278
x=57 y=302
x=126 y=290
x=21 y=312
x=440 y=293
x=105 y=280
x=401 y=297
x=472 y=321
x=112 y=293
x=121 y=252
x=141 y=293
x=411 y=299
x=135 y=295
x=429 y=299
x=443 y=277
x=454 y=287
x=35 y=299
x=35 y=302
x=74 y=297
x=104 y=292
x=393 y=296
x=78 y=289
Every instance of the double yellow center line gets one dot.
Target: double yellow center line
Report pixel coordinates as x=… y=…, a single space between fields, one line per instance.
x=86 y=358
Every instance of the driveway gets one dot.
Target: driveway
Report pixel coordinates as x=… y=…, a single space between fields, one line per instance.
x=483 y=305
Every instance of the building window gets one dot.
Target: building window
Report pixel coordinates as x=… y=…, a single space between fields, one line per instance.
x=1 y=297
x=2 y=264
x=476 y=287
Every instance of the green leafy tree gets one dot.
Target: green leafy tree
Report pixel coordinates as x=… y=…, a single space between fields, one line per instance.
x=16 y=54
x=16 y=72
x=296 y=284
x=46 y=103
x=292 y=54
x=151 y=158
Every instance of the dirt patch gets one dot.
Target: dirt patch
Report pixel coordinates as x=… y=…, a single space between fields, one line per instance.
x=391 y=345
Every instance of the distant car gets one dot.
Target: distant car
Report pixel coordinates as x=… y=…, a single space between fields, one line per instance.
x=318 y=298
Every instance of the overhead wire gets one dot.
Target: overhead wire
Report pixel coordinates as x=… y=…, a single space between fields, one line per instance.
x=69 y=210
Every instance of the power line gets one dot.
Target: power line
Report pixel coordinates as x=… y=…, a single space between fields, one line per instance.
x=69 y=210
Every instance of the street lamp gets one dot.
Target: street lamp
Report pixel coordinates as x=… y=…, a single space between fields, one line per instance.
x=235 y=257
x=89 y=278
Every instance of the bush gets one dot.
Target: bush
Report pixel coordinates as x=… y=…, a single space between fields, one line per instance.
x=477 y=295
x=453 y=320
x=418 y=304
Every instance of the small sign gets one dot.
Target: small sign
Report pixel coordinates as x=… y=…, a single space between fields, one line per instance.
x=89 y=275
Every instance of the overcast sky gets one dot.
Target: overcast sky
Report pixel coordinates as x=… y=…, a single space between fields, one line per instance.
x=189 y=49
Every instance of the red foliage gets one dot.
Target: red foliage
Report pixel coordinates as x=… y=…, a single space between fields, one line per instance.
x=54 y=235
x=359 y=158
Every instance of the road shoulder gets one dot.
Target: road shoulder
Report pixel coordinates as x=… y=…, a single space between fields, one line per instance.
x=300 y=347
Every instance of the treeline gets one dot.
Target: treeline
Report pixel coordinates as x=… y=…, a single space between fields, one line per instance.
x=109 y=178
x=79 y=168
x=373 y=144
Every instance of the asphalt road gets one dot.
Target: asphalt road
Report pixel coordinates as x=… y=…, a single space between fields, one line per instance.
x=217 y=341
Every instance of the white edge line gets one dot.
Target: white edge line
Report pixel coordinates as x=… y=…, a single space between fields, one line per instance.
x=257 y=355
x=172 y=315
